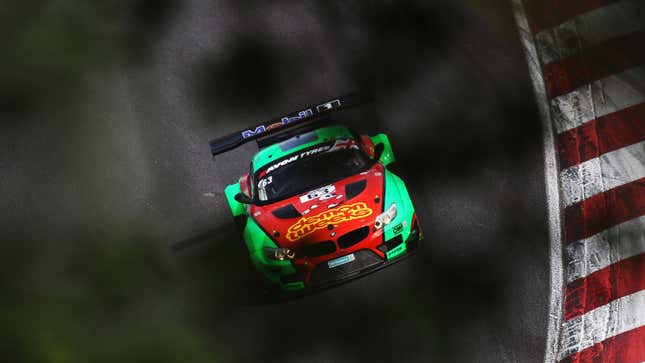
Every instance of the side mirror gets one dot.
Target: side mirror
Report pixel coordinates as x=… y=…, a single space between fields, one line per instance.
x=378 y=151
x=243 y=198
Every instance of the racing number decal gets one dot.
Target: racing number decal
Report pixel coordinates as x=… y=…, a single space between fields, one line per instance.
x=324 y=193
x=262 y=184
x=307 y=226
x=262 y=187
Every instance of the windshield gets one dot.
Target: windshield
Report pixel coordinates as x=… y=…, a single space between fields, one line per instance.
x=303 y=171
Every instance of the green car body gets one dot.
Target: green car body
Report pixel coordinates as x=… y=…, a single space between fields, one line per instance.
x=264 y=234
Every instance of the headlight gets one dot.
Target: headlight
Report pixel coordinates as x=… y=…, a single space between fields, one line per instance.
x=386 y=217
x=279 y=254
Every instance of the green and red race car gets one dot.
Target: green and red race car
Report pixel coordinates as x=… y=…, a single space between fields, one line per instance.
x=319 y=206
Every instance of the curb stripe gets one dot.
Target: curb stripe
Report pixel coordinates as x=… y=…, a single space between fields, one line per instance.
x=604 y=210
x=549 y=13
x=626 y=347
x=592 y=64
x=597 y=137
x=594 y=27
x=598 y=325
x=601 y=287
x=601 y=98
x=591 y=42
x=599 y=251
x=603 y=173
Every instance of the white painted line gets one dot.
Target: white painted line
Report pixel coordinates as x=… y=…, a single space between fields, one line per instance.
x=594 y=27
x=617 y=317
x=601 y=98
x=612 y=245
x=551 y=183
x=603 y=173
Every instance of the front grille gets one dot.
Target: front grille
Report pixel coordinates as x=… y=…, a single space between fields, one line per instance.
x=394 y=242
x=391 y=244
x=353 y=237
x=363 y=259
x=318 y=249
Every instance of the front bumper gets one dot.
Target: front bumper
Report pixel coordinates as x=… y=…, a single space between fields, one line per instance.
x=365 y=262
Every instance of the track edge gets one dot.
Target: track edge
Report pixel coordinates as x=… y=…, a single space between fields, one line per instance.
x=551 y=183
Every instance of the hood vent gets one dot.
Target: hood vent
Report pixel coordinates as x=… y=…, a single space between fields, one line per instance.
x=354 y=189
x=286 y=212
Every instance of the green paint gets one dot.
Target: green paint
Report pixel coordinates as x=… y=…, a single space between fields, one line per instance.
x=293 y=286
x=388 y=155
x=237 y=208
x=397 y=251
x=256 y=241
x=397 y=193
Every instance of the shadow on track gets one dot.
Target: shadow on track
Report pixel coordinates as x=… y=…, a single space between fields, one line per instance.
x=218 y=260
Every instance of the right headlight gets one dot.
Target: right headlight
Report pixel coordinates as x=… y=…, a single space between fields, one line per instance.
x=279 y=254
x=386 y=217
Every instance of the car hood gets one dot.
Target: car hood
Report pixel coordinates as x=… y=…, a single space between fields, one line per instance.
x=326 y=212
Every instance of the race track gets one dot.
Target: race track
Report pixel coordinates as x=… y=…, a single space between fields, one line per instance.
x=96 y=197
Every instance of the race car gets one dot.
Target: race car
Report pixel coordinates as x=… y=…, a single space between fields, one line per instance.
x=318 y=205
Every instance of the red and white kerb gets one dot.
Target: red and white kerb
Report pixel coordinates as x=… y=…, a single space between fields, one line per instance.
x=590 y=55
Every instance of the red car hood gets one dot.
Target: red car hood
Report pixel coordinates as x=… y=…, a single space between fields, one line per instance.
x=325 y=213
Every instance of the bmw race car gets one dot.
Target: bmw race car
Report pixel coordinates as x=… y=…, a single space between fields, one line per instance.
x=318 y=205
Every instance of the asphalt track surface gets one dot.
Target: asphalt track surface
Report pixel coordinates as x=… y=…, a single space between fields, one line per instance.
x=453 y=93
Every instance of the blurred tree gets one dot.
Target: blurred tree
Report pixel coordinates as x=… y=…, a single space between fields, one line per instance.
x=51 y=46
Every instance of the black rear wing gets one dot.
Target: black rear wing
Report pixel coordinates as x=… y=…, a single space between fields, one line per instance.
x=229 y=142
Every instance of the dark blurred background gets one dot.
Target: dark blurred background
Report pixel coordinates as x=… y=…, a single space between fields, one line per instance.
x=107 y=108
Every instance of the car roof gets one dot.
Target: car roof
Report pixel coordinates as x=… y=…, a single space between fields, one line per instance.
x=299 y=142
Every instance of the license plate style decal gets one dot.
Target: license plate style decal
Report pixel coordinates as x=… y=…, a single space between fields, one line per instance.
x=341 y=261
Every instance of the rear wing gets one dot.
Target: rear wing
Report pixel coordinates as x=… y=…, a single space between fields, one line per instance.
x=313 y=112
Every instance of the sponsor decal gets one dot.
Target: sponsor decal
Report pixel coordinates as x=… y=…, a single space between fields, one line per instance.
x=308 y=225
x=273 y=126
x=396 y=251
x=328 y=106
x=337 y=145
x=302 y=114
x=324 y=193
x=340 y=261
x=344 y=144
x=398 y=228
x=260 y=129
x=296 y=157
x=282 y=163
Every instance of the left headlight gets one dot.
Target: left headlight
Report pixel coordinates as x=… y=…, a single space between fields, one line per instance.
x=386 y=217
x=280 y=254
